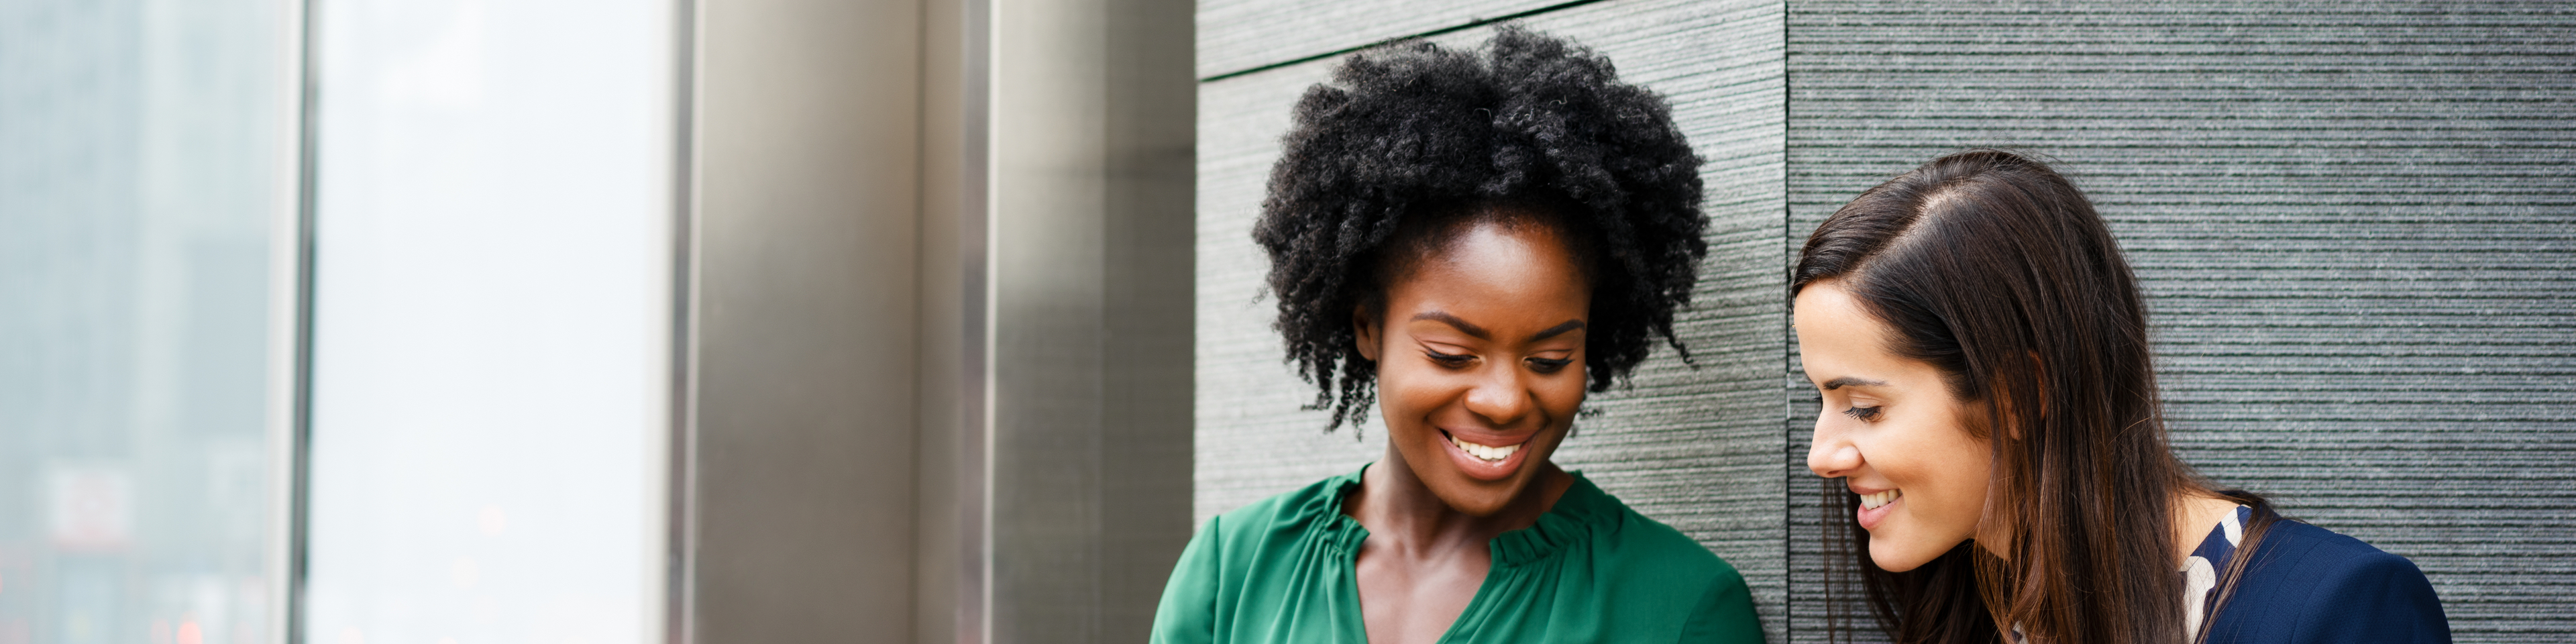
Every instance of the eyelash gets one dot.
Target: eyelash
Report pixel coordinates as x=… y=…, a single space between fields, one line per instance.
x=1865 y=414
x=1542 y=365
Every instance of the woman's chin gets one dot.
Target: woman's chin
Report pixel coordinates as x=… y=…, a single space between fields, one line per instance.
x=1474 y=497
x=1477 y=496
x=1896 y=559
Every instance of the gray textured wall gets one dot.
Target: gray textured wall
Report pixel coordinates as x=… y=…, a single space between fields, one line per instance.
x=2356 y=222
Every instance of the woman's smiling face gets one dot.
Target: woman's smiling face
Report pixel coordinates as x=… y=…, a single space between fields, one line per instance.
x=1891 y=428
x=1479 y=356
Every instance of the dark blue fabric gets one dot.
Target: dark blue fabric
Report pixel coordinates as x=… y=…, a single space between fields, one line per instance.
x=2308 y=584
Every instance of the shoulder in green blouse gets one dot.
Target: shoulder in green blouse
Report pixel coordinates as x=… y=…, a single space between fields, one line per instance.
x=1591 y=570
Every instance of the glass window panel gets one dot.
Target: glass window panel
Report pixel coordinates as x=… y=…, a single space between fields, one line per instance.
x=145 y=167
x=491 y=321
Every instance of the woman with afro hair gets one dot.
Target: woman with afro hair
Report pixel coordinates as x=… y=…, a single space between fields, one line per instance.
x=1470 y=242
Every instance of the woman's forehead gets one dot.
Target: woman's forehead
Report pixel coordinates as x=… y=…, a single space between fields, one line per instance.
x=1839 y=339
x=1494 y=278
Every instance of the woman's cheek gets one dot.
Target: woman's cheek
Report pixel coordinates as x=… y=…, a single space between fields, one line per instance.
x=1411 y=384
x=1565 y=403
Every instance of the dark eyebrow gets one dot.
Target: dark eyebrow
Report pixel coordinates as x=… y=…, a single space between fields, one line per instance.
x=1551 y=332
x=1845 y=381
x=1452 y=320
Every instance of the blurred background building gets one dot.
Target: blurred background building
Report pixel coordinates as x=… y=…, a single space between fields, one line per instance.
x=491 y=322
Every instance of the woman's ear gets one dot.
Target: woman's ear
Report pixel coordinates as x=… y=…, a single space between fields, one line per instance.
x=1364 y=332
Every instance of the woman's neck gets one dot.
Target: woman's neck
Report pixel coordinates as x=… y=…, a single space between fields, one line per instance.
x=1395 y=504
x=2195 y=510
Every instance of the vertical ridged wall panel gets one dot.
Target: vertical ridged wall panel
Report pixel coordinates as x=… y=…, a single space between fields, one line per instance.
x=1697 y=447
x=2356 y=223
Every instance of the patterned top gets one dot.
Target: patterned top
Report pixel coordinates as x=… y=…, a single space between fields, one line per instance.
x=2200 y=572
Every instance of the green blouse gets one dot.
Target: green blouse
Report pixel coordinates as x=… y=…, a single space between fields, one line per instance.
x=1591 y=570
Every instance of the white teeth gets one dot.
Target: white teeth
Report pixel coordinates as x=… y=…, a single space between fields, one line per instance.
x=1485 y=452
x=1873 y=501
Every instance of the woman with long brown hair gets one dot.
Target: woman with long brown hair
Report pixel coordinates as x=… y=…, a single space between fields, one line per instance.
x=1990 y=406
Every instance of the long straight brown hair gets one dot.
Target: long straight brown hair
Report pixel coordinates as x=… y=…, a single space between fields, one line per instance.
x=1994 y=269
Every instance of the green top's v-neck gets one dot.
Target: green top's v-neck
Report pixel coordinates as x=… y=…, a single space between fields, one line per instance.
x=1590 y=570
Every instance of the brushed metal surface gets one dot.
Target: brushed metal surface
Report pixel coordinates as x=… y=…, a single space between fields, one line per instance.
x=1092 y=150
x=943 y=319
x=952 y=505
x=806 y=238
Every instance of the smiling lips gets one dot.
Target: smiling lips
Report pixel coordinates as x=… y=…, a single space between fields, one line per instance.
x=1487 y=462
x=1484 y=452
x=1873 y=507
x=1873 y=500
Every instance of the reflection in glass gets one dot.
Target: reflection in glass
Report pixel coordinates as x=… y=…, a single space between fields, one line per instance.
x=145 y=151
x=491 y=321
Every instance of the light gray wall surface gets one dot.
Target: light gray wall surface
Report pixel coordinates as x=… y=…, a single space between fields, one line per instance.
x=1696 y=447
x=2355 y=223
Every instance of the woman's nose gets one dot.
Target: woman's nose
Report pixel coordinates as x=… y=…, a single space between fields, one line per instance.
x=1829 y=455
x=1500 y=397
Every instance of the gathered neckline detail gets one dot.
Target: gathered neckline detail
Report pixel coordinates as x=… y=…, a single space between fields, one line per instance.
x=1568 y=522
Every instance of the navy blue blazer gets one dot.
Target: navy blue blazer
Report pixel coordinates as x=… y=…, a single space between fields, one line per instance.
x=2308 y=584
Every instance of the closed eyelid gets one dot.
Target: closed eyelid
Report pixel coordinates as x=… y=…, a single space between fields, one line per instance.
x=1445 y=348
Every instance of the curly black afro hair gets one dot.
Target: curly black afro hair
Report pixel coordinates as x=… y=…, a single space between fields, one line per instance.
x=1439 y=136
